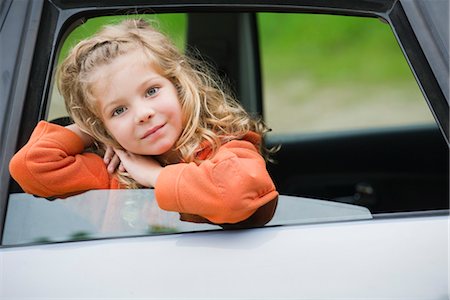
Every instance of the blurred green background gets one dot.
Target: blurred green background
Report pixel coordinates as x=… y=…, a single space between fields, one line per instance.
x=172 y=24
x=331 y=73
x=319 y=72
x=331 y=48
x=349 y=40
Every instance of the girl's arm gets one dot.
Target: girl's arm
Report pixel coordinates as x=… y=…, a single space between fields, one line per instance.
x=53 y=163
x=87 y=139
x=228 y=188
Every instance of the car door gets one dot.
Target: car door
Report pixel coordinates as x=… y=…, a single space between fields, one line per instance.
x=320 y=245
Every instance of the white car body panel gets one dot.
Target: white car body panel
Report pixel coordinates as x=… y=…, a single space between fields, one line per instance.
x=402 y=258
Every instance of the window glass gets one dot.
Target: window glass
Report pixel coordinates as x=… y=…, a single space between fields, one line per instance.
x=90 y=215
x=326 y=73
x=174 y=25
x=100 y=214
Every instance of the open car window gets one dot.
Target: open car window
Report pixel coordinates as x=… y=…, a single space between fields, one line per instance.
x=323 y=77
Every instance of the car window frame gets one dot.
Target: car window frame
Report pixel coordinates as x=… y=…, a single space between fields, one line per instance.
x=425 y=76
x=57 y=17
x=19 y=26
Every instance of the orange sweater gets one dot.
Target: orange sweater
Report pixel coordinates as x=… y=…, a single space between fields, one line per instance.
x=231 y=187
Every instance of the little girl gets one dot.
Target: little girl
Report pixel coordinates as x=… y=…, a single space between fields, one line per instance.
x=165 y=124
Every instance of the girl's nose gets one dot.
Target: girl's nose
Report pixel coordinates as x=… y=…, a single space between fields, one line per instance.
x=144 y=114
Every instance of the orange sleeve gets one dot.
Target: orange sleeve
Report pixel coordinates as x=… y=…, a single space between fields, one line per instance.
x=52 y=163
x=227 y=188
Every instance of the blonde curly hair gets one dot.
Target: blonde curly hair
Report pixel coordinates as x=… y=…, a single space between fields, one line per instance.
x=210 y=113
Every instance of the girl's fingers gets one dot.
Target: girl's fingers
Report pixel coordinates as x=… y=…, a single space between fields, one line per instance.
x=121 y=154
x=109 y=153
x=113 y=164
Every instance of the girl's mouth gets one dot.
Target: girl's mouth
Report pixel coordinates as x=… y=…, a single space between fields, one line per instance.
x=152 y=131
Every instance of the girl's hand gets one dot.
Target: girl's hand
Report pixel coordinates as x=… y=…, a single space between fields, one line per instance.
x=112 y=161
x=144 y=169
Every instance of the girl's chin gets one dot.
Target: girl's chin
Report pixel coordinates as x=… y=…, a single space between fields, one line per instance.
x=162 y=151
x=159 y=147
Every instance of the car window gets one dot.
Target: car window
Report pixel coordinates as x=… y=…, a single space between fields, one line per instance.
x=119 y=213
x=334 y=73
x=319 y=73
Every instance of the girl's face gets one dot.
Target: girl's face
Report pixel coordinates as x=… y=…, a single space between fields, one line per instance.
x=139 y=107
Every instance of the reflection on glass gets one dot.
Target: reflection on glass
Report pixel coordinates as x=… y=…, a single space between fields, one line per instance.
x=91 y=215
x=121 y=213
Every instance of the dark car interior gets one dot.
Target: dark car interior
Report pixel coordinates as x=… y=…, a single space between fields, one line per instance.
x=394 y=170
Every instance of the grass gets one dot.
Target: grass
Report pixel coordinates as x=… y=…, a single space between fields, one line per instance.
x=331 y=48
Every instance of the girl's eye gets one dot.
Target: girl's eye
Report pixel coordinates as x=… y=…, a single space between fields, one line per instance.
x=151 y=91
x=118 y=111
